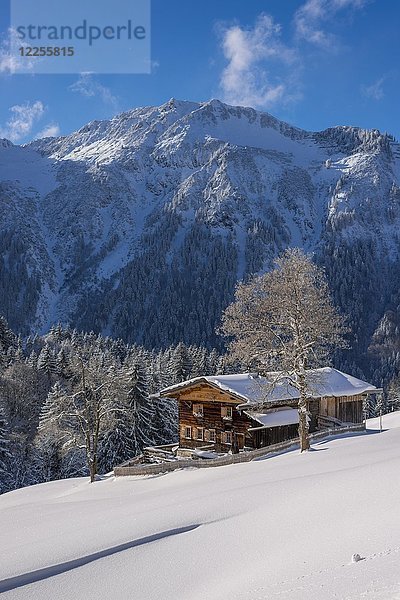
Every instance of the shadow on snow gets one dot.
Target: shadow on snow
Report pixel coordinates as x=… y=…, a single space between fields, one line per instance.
x=34 y=576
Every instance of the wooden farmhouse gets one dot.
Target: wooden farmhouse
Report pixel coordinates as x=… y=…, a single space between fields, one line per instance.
x=233 y=412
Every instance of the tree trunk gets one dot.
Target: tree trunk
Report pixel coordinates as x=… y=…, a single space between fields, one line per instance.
x=302 y=407
x=92 y=459
x=92 y=470
x=303 y=427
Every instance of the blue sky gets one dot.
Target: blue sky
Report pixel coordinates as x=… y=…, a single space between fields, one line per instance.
x=314 y=63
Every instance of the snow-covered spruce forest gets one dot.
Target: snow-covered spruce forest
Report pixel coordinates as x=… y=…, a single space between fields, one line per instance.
x=36 y=375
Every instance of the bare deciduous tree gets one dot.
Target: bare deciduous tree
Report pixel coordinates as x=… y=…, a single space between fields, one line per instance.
x=80 y=416
x=284 y=320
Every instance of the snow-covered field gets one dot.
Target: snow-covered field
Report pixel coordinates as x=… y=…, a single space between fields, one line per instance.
x=282 y=527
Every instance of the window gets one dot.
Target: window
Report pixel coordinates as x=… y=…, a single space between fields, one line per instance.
x=200 y=434
x=188 y=433
x=198 y=410
x=209 y=435
x=226 y=412
x=227 y=437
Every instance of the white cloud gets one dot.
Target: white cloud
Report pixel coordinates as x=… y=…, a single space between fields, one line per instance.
x=310 y=17
x=87 y=86
x=262 y=70
x=375 y=90
x=10 y=62
x=23 y=118
x=246 y=79
x=51 y=130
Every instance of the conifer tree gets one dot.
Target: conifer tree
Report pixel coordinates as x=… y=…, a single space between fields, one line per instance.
x=46 y=361
x=5 y=454
x=180 y=363
x=7 y=337
x=62 y=364
x=50 y=438
x=393 y=395
x=141 y=409
x=116 y=445
x=52 y=408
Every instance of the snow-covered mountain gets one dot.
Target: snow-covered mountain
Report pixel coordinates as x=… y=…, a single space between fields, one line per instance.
x=140 y=226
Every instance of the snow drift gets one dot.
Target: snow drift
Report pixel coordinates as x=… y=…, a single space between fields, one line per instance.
x=283 y=527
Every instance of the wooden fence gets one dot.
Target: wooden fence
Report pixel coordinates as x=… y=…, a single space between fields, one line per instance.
x=154 y=469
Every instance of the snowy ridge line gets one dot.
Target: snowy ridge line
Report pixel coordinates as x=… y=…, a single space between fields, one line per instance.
x=154 y=469
x=12 y=583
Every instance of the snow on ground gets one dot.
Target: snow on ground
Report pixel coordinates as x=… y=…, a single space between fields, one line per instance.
x=282 y=527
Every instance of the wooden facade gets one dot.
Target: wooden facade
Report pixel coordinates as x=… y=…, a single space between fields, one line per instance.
x=344 y=408
x=273 y=435
x=210 y=418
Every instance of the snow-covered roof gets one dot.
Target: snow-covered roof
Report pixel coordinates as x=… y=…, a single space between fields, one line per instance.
x=251 y=388
x=276 y=417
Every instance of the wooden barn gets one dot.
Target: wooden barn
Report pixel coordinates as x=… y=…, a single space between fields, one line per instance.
x=233 y=412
